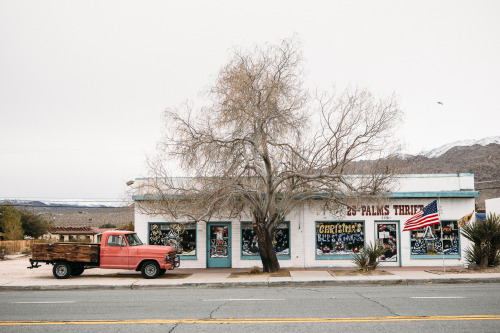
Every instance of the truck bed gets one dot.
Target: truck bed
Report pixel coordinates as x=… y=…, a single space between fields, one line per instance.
x=75 y=252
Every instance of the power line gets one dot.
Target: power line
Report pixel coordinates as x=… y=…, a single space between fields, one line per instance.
x=488 y=188
x=488 y=181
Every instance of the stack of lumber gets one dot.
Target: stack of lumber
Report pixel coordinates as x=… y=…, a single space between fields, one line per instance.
x=87 y=253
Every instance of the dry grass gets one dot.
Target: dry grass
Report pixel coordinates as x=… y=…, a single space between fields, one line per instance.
x=281 y=273
x=357 y=272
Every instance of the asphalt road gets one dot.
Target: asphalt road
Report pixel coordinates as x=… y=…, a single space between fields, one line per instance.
x=429 y=308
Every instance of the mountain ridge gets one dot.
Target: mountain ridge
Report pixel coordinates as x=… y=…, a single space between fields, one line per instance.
x=479 y=157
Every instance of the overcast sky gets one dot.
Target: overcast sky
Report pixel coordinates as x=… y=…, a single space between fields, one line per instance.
x=83 y=84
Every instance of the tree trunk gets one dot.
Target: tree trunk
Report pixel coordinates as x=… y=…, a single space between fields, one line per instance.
x=485 y=254
x=268 y=256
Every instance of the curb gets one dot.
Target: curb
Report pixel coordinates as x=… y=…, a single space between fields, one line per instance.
x=267 y=284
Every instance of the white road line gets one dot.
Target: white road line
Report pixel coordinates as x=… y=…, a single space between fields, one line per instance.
x=47 y=302
x=243 y=299
x=439 y=297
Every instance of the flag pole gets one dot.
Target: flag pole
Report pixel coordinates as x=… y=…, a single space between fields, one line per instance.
x=442 y=240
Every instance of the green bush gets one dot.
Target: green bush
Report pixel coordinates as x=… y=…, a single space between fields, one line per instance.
x=486 y=238
x=10 y=223
x=367 y=259
x=34 y=225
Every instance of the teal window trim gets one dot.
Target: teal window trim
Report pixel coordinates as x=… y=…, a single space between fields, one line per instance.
x=375 y=222
x=393 y=195
x=280 y=257
x=336 y=257
x=439 y=256
x=434 y=194
x=181 y=256
x=435 y=256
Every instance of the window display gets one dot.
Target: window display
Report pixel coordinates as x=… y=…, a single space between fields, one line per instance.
x=427 y=241
x=219 y=241
x=387 y=237
x=182 y=236
x=339 y=238
x=249 y=240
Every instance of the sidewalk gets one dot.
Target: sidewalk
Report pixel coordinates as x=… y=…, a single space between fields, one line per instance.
x=14 y=275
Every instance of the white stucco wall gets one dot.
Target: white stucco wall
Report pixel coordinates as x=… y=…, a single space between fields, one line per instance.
x=303 y=227
x=493 y=206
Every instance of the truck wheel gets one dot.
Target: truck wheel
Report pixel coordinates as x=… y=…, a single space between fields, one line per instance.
x=61 y=270
x=150 y=270
x=77 y=270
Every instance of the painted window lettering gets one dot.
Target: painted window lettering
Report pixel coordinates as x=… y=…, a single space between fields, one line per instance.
x=339 y=237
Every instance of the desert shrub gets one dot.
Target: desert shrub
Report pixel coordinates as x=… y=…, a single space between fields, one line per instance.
x=129 y=226
x=486 y=238
x=367 y=259
x=79 y=239
x=107 y=225
x=254 y=270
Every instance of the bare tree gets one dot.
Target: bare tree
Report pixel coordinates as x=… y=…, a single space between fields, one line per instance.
x=262 y=147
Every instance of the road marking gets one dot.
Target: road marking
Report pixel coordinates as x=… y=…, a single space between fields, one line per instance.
x=433 y=297
x=47 y=302
x=252 y=320
x=242 y=299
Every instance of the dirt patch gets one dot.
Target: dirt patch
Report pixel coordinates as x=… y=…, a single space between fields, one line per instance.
x=281 y=273
x=464 y=270
x=355 y=272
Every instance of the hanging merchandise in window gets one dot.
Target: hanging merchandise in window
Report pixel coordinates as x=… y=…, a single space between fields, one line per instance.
x=339 y=238
x=182 y=236
x=387 y=238
x=249 y=240
x=427 y=241
x=219 y=241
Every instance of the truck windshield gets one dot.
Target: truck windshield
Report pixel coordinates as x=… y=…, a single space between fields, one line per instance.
x=133 y=239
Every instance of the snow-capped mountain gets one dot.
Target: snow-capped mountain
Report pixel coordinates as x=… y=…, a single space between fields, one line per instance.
x=67 y=203
x=463 y=143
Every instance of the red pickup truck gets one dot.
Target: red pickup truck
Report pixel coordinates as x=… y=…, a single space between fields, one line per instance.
x=117 y=250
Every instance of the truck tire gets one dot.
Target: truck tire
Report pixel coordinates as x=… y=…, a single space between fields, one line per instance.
x=61 y=270
x=77 y=270
x=162 y=272
x=150 y=269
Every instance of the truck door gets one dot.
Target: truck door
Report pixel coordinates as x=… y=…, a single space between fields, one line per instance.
x=114 y=252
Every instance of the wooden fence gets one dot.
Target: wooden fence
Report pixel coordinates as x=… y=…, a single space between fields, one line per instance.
x=16 y=246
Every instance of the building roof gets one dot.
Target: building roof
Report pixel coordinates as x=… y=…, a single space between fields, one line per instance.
x=72 y=231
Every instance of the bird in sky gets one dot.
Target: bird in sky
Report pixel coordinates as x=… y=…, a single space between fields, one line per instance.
x=440 y=103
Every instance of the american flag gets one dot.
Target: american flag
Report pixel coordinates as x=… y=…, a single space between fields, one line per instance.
x=427 y=216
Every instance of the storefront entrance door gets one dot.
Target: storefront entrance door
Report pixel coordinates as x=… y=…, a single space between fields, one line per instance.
x=219 y=244
x=387 y=236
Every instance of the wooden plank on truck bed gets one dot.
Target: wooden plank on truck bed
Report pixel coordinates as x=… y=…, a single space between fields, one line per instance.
x=66 y=251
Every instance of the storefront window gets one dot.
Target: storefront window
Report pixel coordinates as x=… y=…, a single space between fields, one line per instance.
x=339 y=238
x=182 y=236
x=427 y=241
x=250 y=246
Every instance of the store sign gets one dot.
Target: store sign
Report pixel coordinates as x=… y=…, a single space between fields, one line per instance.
x=383 y=210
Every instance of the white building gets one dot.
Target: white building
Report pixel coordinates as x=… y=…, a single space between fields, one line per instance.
x=492 y=206
x=311 y=238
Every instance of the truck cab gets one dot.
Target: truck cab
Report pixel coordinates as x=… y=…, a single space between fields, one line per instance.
x=124 y=250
